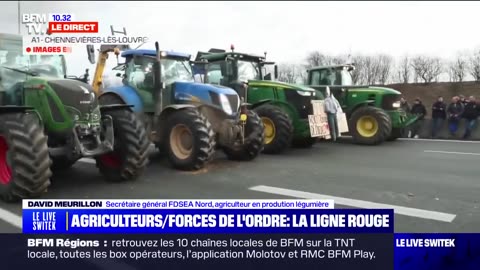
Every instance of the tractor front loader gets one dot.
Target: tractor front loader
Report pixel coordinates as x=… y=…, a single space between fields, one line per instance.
x=48 y=122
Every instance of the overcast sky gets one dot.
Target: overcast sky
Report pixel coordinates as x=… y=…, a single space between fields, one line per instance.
x=286 y=30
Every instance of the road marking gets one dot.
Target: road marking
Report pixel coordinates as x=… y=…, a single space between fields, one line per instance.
x=454 y=153
x=87 y=160
x=401 y=210
x=426 y=140
x=437 y=140
x=11 y=218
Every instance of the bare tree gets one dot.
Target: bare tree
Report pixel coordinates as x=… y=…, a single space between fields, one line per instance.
x=358 y=75
x=315 y=59
x=404 y=70
x=427 y=68
x=384 y=63
x=474 y=66
x=458 y=69
x=291 y=73
x=286 y=73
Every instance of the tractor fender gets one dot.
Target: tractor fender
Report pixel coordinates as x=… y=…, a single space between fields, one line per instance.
x=173 y=108
x=21 y=109
x=127 y=94
x=260 y=103
x=356 y=106
x=285 y=106
x=106 y=108
x=14 y=109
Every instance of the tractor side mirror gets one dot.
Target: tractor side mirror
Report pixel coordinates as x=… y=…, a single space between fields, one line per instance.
x=91 y=54
x=275 y=71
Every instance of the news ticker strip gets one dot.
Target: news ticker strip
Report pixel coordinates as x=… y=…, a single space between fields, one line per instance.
x=197 y=220
x=180 y=251
x=178 y=204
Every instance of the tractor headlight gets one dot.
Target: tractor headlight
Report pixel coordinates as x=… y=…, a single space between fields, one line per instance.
x=396 y=104
x=225 y=104
x=306 y=93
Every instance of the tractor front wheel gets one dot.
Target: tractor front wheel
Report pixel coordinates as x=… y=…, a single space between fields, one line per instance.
x=254 y=138
x=190 y=140
x=278 y=129
x=370 y=125
x=24 y=159
x=130 y=155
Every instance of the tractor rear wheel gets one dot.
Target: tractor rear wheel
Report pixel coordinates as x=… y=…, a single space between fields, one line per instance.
x=130 y=155
x=278 y=129
x=24 y=158
x=254 y=138
x=370 y=125
x=189 y=139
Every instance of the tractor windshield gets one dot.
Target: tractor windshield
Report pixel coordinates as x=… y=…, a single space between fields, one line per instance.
x=331 y=76
x=174 y=70
x=248 y=70
x=140 y=73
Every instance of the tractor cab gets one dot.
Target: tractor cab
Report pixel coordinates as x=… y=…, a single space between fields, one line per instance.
x=233 y=69
x=139 y=73
x=16 y=68
x=338 y=78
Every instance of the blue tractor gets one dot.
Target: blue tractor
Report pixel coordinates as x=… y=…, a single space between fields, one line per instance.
x=186 y=120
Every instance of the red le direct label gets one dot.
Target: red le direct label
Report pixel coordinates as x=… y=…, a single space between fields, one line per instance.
x=73 y=27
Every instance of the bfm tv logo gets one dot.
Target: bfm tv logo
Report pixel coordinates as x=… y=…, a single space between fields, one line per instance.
x=56 y=23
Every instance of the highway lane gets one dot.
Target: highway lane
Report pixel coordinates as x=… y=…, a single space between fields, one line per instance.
x=435 y=186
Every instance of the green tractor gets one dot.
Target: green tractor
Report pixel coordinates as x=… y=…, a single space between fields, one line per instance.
x=284 y=108
x=48 y=122
x=187 y=121
x=374 y=114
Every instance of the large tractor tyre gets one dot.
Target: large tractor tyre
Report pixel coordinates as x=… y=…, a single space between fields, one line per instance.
x=254 y=139
x=305 y=142
x=396 y=133
x=189 y=139
x=278 y=129
x=370 y=125
x=24 y=158
x=130 y=155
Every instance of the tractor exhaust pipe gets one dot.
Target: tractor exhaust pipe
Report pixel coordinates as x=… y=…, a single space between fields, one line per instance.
x=159 y=84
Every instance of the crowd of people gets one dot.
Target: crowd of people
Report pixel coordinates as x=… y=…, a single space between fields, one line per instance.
x=459 y=109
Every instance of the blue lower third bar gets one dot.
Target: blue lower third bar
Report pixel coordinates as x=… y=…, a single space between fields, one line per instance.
x=208 y=221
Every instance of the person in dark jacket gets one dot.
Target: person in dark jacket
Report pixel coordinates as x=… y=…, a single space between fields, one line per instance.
x=439 y=114
x=454 y=112
x=463 y=100
x=419 y=110
x=470 y=114
x=404 y=105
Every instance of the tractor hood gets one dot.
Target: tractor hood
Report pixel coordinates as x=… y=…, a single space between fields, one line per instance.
x=281 y=85
x=202 y=87
x=383 y=90
x=218 y=96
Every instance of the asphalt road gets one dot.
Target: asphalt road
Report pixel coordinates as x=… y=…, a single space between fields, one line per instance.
x=433 y=185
